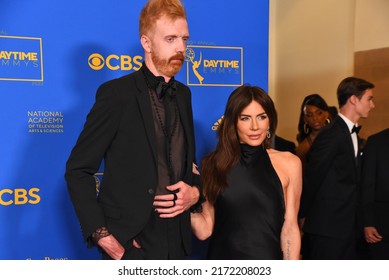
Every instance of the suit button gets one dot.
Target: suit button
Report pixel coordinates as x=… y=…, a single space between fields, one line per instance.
x=150 y=191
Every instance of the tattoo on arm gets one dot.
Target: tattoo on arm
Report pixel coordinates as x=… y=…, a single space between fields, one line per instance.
x=287 y=253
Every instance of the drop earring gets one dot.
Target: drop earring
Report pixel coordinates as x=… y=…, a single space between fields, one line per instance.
x=306 y=128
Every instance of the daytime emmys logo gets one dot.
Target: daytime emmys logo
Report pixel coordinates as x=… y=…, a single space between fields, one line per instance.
x=21 y=59
x=214 y=65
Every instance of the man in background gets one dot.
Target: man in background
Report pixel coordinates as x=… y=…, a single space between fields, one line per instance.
x=329 y=198
x=375 y=195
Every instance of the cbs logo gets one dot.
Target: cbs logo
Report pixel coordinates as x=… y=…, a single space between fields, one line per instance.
x=19 y=196
x=115 y=62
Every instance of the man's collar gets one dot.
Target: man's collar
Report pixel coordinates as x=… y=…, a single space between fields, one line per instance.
x=349 y=123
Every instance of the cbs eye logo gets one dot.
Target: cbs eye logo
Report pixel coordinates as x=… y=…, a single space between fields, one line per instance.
x=115 y=62
x=96 y=61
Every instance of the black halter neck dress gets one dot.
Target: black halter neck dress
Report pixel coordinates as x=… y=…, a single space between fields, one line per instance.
x=249 y=213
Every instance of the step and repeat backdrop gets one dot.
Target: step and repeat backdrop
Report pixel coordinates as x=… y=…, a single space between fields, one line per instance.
x=54 y=55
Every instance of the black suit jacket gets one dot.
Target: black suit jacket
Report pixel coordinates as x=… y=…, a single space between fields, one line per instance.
x=329 y=197
x=120 y=129
x=282 y=144
x=375 y=183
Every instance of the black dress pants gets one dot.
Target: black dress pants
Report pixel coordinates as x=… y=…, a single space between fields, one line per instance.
x=317 y=247
x=160 y=239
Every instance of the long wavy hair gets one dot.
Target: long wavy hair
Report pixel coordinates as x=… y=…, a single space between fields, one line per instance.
x=314 y=100
x=215 y=166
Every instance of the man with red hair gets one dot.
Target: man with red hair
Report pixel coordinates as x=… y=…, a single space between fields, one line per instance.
x=141 y=125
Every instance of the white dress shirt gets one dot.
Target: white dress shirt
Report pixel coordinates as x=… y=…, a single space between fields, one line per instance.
x=354 y=136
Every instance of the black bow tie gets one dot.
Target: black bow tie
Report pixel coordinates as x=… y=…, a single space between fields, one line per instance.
x=166 y=88
x=356 y=129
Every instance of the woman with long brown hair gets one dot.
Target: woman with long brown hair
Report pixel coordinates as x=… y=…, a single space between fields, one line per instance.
x=253 y=191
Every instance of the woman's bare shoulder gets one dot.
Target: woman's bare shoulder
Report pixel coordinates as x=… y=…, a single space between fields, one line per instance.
x=287 y=165
x=282 y=158
x=282 y=154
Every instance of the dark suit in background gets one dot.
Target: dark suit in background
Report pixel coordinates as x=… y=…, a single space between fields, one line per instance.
x=329 y=198
x=375 y=194
x=281 y=144
x=329 y=203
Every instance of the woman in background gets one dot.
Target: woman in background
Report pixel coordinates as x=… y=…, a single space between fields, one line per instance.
x=314 y=114
x=253 y=191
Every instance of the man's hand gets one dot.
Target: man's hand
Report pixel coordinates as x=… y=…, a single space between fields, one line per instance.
x=171 y=205
x=372 y=235
x=112 y=247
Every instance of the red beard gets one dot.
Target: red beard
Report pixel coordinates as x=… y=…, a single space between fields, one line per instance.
x=168 y=67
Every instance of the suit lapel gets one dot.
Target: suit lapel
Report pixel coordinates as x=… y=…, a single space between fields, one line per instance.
x=350 y=144
x=185 y=112
x=182 y=110
x=146 y=111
